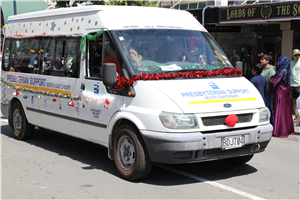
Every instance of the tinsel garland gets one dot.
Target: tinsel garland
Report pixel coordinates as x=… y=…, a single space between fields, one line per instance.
x=90 y=37
x=122 y=81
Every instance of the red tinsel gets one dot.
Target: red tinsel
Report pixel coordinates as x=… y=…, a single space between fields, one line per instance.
x=122 y=81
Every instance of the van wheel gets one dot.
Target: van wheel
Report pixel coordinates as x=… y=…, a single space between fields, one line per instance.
x=21 y=128
x=130 y=154
x=239 y=160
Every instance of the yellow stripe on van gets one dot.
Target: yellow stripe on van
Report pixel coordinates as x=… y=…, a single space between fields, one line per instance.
x=222 y=100
x=42 y=89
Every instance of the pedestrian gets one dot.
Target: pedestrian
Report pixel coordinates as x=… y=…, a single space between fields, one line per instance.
x=295 y=79
x=258 y=80
x=280 y=87
x=268 y=72
x=298 y=111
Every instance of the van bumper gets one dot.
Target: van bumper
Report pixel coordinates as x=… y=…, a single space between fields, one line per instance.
x=4 y=109
x=199 y=147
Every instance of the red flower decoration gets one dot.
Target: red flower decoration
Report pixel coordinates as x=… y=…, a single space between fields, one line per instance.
x=122 y=81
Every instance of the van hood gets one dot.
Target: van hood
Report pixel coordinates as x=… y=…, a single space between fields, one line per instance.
x=211 y=94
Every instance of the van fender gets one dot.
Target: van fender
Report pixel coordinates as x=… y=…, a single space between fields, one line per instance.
x=114 y=123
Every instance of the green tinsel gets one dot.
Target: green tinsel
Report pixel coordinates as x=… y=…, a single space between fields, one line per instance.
x=89 y=37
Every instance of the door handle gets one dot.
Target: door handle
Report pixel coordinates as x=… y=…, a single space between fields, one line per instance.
x=82 y=86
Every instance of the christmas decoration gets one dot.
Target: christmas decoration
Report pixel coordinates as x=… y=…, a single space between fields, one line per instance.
x=231 y=120
x=122 y=81
x=106 y=102
x=54 y=100
x=89 y=37
x=15 y=93
x=71 y=103
x=25 y=97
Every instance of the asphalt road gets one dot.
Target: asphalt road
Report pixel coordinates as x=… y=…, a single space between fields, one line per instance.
x=53 y=166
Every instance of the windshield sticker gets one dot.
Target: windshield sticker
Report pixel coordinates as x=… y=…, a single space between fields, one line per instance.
x=170 y=67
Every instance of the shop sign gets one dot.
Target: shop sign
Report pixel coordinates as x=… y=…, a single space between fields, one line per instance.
x=275 y=11
x=223 y=28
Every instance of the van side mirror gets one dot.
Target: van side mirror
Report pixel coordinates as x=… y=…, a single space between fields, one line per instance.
x=109 y=74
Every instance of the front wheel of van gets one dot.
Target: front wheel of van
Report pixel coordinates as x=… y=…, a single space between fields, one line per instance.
x=130 y=154
x=21 y=128
x=239 y=160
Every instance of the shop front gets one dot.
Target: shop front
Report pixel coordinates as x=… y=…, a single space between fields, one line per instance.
x=246 y=31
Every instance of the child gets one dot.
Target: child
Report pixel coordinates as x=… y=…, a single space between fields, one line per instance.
x=298 y=111
x=258 y=80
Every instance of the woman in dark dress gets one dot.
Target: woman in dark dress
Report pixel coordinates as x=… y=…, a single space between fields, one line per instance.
x=280 y=88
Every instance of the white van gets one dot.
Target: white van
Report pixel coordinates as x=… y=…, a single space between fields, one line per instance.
x=130 y=79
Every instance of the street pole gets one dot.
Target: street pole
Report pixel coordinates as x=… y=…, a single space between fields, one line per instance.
x=203 y=11
x=15 y=7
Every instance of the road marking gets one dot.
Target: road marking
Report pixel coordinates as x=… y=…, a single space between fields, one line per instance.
x=230 y=189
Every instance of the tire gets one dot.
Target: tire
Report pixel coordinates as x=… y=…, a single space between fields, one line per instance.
x=130 y=155
x=22 y=130
x=239 y=160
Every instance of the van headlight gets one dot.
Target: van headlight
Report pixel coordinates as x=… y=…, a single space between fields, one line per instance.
x=178 y=121
x=264 y=114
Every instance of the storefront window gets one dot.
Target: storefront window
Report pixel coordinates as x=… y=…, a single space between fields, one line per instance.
x=252 y=40
x=296 y=39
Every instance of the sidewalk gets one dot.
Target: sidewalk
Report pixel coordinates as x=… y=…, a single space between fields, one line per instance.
x=295 y=137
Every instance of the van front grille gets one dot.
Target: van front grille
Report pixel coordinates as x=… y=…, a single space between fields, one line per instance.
x=220 y=120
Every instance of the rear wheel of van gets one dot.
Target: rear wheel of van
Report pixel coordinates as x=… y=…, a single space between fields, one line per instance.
x=239 y=160
x=130 y=154
x=21 y=128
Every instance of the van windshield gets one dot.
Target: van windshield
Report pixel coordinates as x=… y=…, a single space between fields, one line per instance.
x=155 y=51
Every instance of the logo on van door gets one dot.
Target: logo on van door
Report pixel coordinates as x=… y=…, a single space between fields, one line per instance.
x=213 y=85
x=227 y=105
x=96 y=88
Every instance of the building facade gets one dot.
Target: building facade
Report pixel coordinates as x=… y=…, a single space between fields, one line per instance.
x=14 y=7
x=272 y=28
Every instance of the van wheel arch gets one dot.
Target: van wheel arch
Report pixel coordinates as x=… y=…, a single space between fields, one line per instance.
x=112 y=136
x=21 y=128
x=11 y=103
x=130 y=153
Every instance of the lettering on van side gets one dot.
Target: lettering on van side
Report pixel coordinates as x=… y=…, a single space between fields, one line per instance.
x=96 y=113
x=42 y=82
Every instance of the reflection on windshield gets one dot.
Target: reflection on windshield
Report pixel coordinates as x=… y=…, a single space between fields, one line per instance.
x=155 y=51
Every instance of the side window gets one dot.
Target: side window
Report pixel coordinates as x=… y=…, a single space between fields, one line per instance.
x=6 y=54
x=59 y=52
x=48 y=56
x=31 y=54
x=111 y=54
x=15 y=55
x=94 y=66
x=71 y=57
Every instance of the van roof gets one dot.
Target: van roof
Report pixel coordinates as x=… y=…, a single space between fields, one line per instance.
x=80 y=20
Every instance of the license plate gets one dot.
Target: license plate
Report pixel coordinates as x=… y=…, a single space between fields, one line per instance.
x=233 y=142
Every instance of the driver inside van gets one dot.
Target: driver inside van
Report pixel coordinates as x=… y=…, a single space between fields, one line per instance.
x=173 y=51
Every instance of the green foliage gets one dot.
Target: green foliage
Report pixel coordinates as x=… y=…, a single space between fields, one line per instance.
x=131 y=3
x=64 y=3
